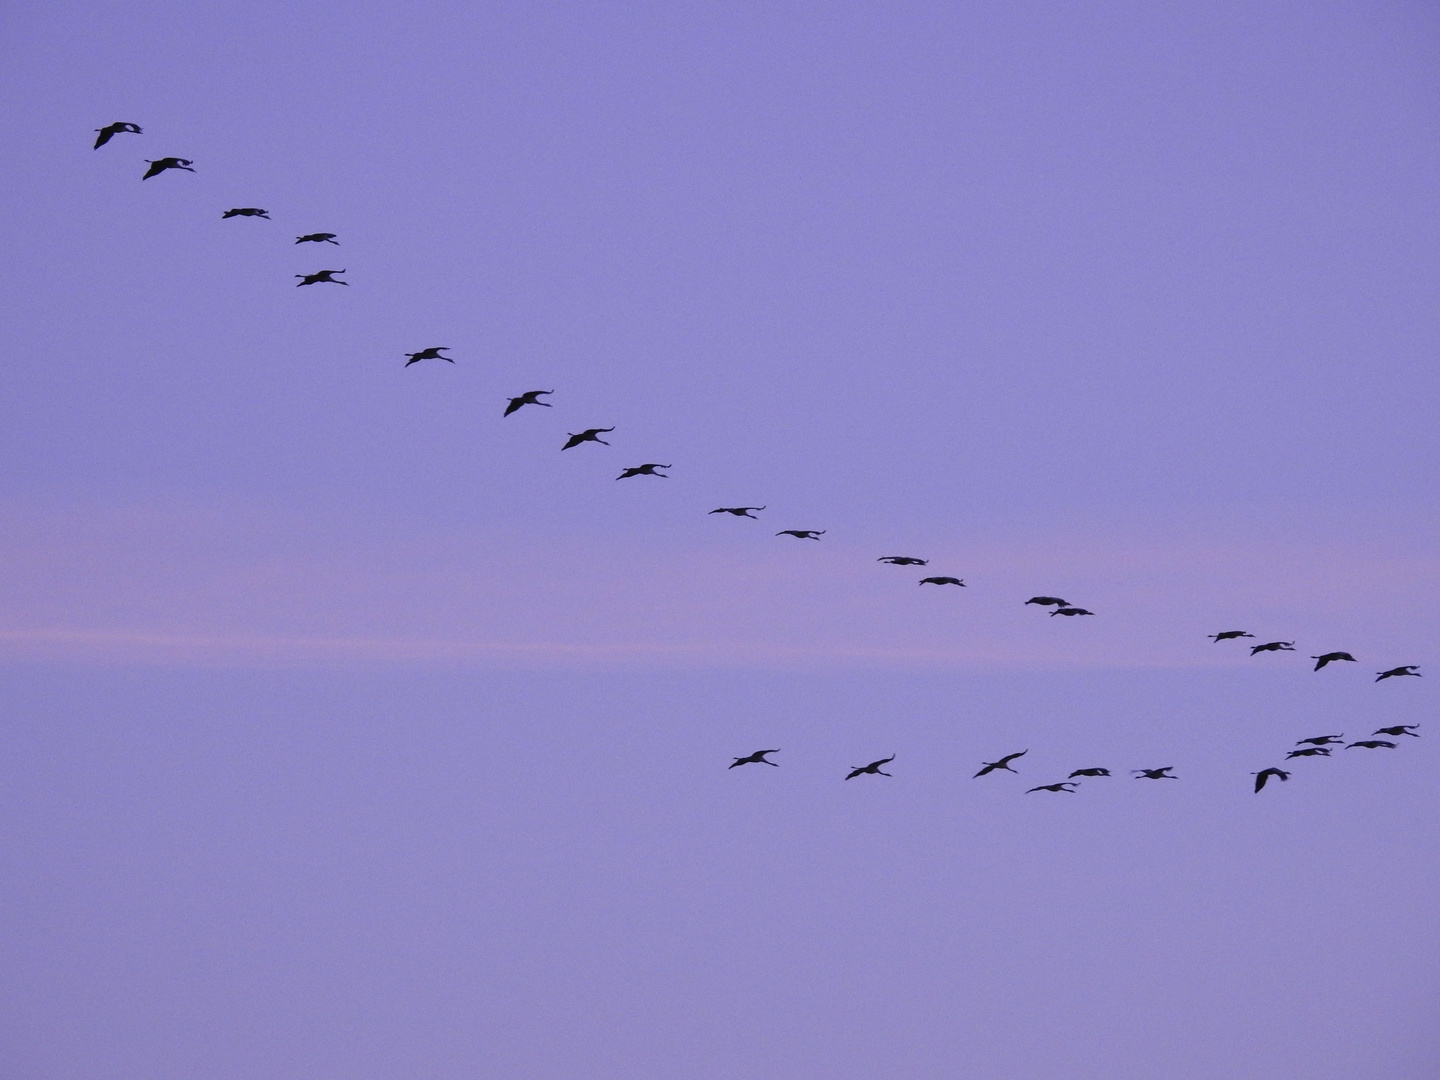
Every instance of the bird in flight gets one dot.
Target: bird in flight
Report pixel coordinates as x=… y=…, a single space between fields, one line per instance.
x=1273 y=646
x=1226 y=635
x=1396 y=672
x=588 y=435
x=1321 y=740
x=530 y=397
x=1048 y=601
x=648 y=469
x=802 y=534
x=1398 y=730
x=318 y=238
x=1265 y=774
x=432 y=353
x=902 y=560
x=738 y=511
x=1089 y=772
x=160 y=165
x=109 y=131
x=1310 y=751
x=1064 y=785
x=1003 y=763
x=1330 y=658
x=941 y=581
x=1070 y=611
x=246 y=211
x=1372 y=744
x=757 y=758
x=1154 y=774
x=873 y=768
x=321 y=276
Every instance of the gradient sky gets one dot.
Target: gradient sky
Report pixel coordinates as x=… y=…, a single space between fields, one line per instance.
x=350 y=730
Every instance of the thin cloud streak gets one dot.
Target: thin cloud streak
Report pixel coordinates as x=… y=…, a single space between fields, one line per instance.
x=205 y=586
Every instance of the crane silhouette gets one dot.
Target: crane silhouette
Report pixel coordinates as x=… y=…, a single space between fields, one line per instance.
x=1330 y=658
x=1321 y=740
x=320 y=277
x=757 y=758
x=588 y=435
x=1266 y=774
x=802 y=534
x=1396 y=672
x=530 y=397
x=648 y=469
x=246 y=211
x=1066 y=786
x=1089 y=772
x=902 y=560
x=432 y=353
x=1372 y=744
x=1273 y=646
x=941 y=581
x=161 y=164
x=1070 y=611
x=1003 y=763
x=1154 y=774
x=873 y=768
x=1398 y=730
x=1226 y=635
x=109 y=131
x=1310 y=751
x=738 y=511
x=318 y=238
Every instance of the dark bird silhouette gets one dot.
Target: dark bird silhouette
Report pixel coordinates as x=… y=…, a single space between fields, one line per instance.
x=1273 y=646
x=1003 y=763
x=1330 y=658
x=941 y=581
x=757 y=758
x=318 y=238
x=873 y=768
x=1089 y=772
x=432 y=353
x=902 y=560
x=1398 y=730
x=1070 y=611
x=246 y=211
x=1226 y=635
x=1265 y=774
x=1048 y=601
x=648 y=469
x=530 y=397
x=160 y=165
x=588 y=435
x=802 y=534
x=1372 y=744
x=738 y=511
x=109 y=131
x=1064 y=785
x=1321 y=740
x=1310 y=751
x=1396 y=672
x=1154 y=774
x=321 y=276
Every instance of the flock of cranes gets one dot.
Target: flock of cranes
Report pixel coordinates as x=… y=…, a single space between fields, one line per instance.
x=1313 y=746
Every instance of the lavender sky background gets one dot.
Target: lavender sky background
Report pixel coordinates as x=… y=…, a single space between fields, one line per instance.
x=350 y=731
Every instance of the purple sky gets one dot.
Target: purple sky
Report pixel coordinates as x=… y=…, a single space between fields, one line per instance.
x=348 y=730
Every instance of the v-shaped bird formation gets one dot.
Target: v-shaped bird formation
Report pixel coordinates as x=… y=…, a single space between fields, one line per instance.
x=1315 y=746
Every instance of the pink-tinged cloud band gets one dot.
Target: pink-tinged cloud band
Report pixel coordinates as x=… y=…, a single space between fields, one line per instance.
x=216 y=586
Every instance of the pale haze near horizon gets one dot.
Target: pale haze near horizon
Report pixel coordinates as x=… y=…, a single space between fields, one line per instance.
x=353 y=730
